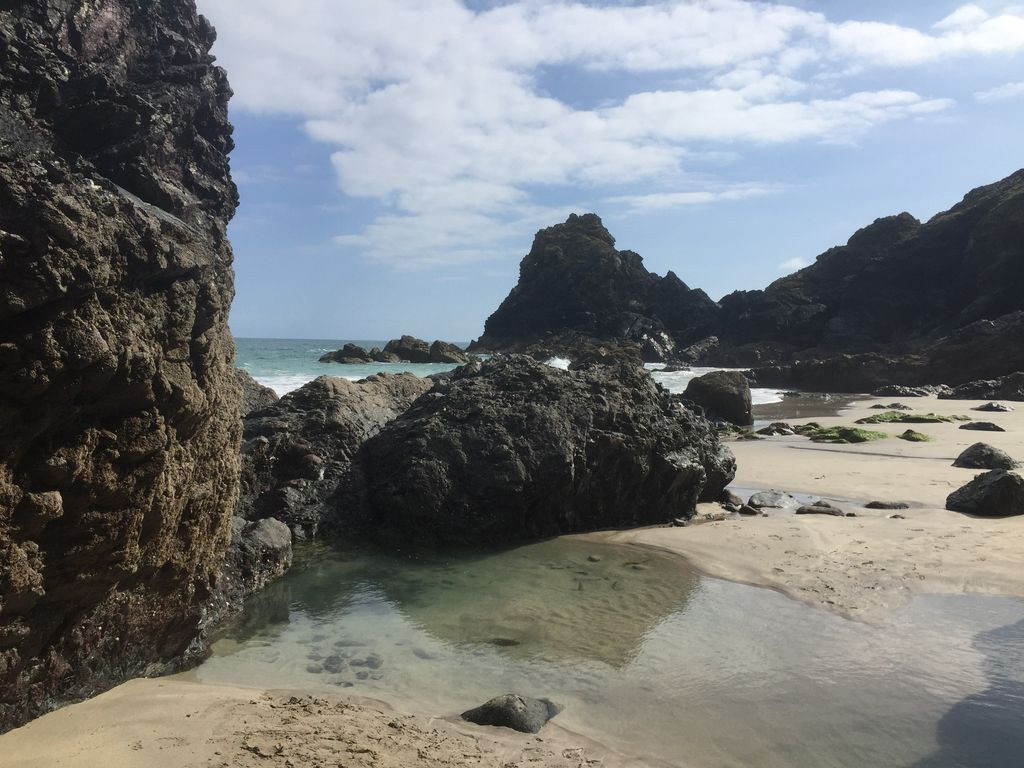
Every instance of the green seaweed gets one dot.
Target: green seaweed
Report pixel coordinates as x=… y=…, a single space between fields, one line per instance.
x=844 y=435
x=902 y=417
x=916 y=437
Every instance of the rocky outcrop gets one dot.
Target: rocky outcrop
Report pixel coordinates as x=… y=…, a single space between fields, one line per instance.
x=119 y=406
x=998 y=493
x=255 y=396
x=724 y=395
x=350 y=354
x=520 y=713
x=296 y=451
x=407 y=349
x=1004 y=388
x=985 y=456
x=574 y=286
x=513 y=450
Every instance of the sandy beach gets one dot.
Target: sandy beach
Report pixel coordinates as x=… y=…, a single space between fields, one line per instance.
x=866 y=566
x=173 y=723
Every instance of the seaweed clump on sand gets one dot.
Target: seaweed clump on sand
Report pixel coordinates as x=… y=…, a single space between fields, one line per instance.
x=913 y=436
x=820 y=434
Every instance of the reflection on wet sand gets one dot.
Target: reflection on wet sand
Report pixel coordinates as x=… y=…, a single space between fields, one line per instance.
x=987 y=729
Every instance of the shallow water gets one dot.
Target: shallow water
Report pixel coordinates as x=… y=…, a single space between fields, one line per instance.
x=646 y=655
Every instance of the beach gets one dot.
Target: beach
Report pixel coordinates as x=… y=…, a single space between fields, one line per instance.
x=866 y=566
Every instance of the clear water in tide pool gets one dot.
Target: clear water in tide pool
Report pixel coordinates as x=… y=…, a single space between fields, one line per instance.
x=646 y=655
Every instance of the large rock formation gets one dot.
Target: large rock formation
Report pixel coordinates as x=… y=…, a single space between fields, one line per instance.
x=574 y=286
x=119 y=407
x=296 y=450
x=512 y=450
x=724 y=395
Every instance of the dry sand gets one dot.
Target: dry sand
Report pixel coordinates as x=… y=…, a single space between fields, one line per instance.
x=866 y=566
x=171 y=723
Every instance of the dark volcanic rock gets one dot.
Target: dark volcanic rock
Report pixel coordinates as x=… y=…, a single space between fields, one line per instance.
x=820 y=508
x=513 y=450
x=296 y=450
x=895 y=390
x=574 y=283
x=350 y=354
x=408 y=349
x=982 y=426
x=260 y=552
x=1006 y=388
x=254 y=395
x=993 y=408
x=119 y=404
x=521 y=713
x=994 y=494
x=445 y=352
x=985 y=456
x=725 y=394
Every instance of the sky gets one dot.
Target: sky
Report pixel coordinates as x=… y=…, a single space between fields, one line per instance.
x=395 y=158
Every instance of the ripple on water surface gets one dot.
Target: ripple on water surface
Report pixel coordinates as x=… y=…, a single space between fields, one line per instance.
x=646 y=655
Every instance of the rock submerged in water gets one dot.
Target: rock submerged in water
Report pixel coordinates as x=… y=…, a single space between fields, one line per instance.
x=985 y=456
x=725 y=394
x=513 y=450
x=998 y=493
x=521 y=713
x=260 y=553
x=407 y=349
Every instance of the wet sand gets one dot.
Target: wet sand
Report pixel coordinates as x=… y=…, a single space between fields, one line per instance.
x=866 y=566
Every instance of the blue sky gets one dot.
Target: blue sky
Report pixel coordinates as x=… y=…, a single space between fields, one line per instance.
x=395 y=158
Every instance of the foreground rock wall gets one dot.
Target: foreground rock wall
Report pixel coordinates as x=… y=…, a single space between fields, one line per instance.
x=119 y=411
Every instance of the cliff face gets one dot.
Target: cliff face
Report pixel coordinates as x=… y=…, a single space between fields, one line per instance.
x=119 y=410
x=574 y=284
x=897 y=283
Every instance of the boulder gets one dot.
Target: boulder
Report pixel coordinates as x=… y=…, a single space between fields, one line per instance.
x=350 y=354
x=776 y=429
x=993 y=408
x=295 y=451
x=255 y=396
x=891 y=407
x=408 y=349
x=820 y=508
x=512 y=450
x=886 y=505
x=119 y=403
x=896 y=390
x=520 y=713
x=982 y=426
x=725 y=394
x=444 y=352
x=998 y=493
x=773 y=499
x=260 y=553
x=985 y=456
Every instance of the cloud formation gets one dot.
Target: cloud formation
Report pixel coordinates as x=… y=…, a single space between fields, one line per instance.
x=448 y=118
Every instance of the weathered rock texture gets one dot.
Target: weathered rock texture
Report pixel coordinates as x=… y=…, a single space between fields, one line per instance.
x=513 y=450
x=255 y=396
x=722 y=394
x=296 y=450
x=119 y=408
x=574 y=286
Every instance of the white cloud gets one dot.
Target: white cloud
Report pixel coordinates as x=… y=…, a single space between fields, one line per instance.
x=1001 y=92
x=442 y=116
x=792 y=265
x=660 y=201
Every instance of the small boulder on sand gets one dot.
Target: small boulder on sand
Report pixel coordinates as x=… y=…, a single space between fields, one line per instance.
x=521 y=713
x=994 y=494
x=985 y=456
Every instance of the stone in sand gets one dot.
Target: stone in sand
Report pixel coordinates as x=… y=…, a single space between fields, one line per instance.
x=985 y=456
x=820 y=508
x=994 y=494
x=982 y=426
x=993 y=408
x=776 y=429
x=725 y=394
x=521 y=713
x=886 y=505
x=773 y=499
x=891 y=407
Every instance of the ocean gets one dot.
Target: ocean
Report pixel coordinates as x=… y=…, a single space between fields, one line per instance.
x=286 y=364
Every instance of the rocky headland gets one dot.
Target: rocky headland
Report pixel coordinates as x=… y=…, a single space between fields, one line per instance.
x=119 y=403
x=902 y=302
